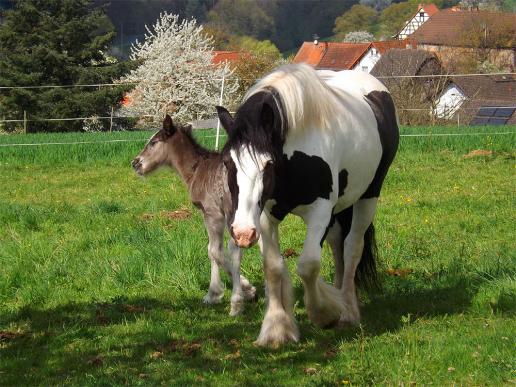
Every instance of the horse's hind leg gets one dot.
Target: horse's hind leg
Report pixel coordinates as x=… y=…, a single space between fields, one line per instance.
x=335 y=240
x=363 y=214
x=323 y=302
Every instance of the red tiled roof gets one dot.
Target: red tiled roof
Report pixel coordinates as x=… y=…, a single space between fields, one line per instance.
x=447 y=26
x=223 y=56
x=311 y=53
x=385 y=45
x=430 y=9
x=341 y=56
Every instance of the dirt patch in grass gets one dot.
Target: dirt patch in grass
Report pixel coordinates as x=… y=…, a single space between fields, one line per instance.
x=182 y=213
x=9 y=335
x=478 y=153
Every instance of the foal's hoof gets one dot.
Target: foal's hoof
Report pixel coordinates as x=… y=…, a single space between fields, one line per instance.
x=346 y=322
x=212 y=298
x=250 y=294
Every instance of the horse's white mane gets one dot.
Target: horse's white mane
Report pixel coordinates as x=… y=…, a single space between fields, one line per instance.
x=307 y=100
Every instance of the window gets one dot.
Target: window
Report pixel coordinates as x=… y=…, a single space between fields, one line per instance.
x=493 y=115
x=364 y=69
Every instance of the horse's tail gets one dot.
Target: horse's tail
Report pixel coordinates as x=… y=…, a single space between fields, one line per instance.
x=366 y=275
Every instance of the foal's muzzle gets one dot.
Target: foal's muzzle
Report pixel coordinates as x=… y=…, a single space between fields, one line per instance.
x=137 y=165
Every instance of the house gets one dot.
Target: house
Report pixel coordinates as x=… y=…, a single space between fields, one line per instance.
x=423 y=13
x=454 y=33
x=479 y=100
x=225 y=56
x=403 y=73
x=346 y=56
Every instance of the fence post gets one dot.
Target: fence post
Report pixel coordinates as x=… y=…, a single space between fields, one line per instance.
x=25 y=121
x=111 y=120
x=220 y=104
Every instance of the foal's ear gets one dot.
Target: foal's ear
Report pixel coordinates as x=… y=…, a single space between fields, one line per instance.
x=168 y=126
x=225 y=119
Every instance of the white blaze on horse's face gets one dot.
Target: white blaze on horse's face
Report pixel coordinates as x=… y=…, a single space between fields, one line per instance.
x=249 y=176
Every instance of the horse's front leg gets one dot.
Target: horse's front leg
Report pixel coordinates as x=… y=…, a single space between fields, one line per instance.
x=242 y=289
x=323 y=302
x=278 y=325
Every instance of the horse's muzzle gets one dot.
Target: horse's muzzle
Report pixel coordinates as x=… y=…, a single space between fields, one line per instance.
x=244 y=237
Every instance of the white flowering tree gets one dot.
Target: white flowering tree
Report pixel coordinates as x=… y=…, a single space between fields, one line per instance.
x=358 y=37
x=176 y=74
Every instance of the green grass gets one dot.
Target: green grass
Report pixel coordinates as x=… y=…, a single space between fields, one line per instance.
x=99 y=286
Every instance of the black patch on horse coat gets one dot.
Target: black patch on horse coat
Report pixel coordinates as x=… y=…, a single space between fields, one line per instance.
x=300 y=180
x=383 y=108
x=343 y=181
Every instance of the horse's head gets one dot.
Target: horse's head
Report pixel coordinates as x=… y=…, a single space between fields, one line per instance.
x=156 y=152
x=254 y=146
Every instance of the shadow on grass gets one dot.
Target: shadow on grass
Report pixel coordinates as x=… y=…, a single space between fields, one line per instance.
x=128 y=340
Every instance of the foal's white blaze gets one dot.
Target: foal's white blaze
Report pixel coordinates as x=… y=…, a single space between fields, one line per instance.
x=250 y=168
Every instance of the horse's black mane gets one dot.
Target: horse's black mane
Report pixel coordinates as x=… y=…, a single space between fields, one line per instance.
x=249 y=130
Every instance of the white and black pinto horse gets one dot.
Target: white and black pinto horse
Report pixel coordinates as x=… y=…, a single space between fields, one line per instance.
x=317 y=146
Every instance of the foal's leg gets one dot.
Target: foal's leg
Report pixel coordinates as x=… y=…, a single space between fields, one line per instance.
x=242 y=289
x=363 y=214
x=323 y=302
x=215 y=227
x=335 y=240
x=278 y=325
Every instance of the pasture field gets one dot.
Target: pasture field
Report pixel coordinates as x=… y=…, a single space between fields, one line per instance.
x=101 y=277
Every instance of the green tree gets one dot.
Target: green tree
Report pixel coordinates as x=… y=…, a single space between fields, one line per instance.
x=393 y=18
x=241 y=17
x=56 y=42
x=358 y=18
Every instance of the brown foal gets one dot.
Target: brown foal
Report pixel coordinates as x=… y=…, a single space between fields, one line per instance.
x=205 y=175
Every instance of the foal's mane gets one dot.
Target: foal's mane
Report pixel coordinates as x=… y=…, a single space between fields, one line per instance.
x=307 y=101
x=198 y=148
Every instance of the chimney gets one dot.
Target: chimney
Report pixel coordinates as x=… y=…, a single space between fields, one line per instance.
x=316 y=39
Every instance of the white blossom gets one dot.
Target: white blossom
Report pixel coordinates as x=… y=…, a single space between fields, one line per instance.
x=358 y=37
x=176 y=74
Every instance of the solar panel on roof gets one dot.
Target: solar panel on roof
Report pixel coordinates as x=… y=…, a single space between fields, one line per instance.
x=488 y=115
x=498 y=121
x=504 y=112
x=486 y=111
x=479 y=121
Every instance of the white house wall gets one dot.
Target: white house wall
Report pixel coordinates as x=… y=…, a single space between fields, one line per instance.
x=413 y=24
x=368 y=61
x=449 y=102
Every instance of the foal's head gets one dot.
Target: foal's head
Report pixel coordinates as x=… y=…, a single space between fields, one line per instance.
x=159 y=149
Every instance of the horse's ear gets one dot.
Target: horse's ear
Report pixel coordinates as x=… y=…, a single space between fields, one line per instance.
x=168 y=125
x=267 y=117
x=225 y=119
